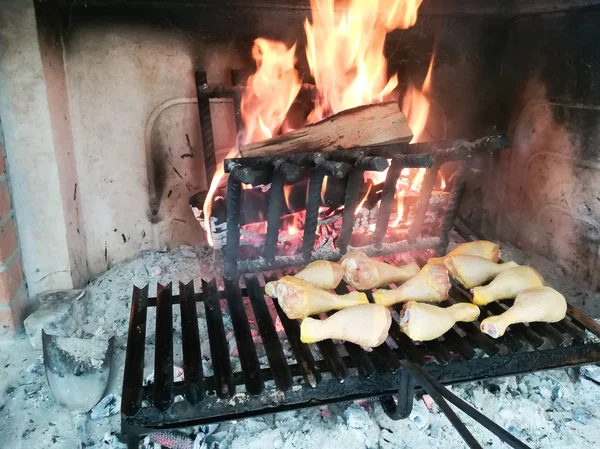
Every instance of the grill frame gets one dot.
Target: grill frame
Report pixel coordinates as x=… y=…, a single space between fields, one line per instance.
x=213 y=399
x=347 y=164
x=352 y=163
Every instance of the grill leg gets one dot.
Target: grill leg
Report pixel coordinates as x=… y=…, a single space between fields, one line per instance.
x=401 y=408
x=440 y=395
x=132 y=441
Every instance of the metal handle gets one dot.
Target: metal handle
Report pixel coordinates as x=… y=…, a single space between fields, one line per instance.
x=440 y=394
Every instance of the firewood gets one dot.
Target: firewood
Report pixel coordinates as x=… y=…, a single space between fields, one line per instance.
x=364 y=125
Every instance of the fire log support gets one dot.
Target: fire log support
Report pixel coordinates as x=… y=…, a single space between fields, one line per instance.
x=349 y=164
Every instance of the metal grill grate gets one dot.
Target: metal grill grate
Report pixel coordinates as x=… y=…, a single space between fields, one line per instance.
x=322 y=373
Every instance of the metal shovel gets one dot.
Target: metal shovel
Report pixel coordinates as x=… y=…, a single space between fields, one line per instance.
x=77 y=383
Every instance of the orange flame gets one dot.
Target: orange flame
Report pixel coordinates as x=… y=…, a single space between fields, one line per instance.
x=442 y=179
x=345 y=55
x=400 y=211
x=323 y=189
x=361 y=202
x=214 y=184
x=345 y=51
x=418 y=180
x=294 y=227
x=416 y=106
x=270 y=91
x=287 y=190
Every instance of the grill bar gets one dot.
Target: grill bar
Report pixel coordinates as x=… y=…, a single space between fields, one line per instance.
x=281 y=371
x=301 y=351
x=190 y=340
x=355 y=182
x=243 y=337
x=208 y=143
x=163 y=362
x=387 y=198
x=133 y=376
x=219 y=350
x=313 y=200
x=234 y=191
x=333 y=359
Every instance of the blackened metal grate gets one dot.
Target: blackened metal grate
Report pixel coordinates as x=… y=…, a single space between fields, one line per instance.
x=276 y=170
x=322 y=373
x=348 y=165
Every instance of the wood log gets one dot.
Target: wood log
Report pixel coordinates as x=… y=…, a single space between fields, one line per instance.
x=373 y=124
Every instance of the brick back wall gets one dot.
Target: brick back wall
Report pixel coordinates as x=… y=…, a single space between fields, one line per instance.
x=13 y=293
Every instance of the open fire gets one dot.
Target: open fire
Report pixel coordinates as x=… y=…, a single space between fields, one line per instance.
x=345 y=55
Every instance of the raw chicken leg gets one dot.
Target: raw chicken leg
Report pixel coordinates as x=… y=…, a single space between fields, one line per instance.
x=481 y=248
x=366 y=325
x=430 y=285
x=364 y=273
x=472 y=271
x=531 y=305
x=299 y=299
x=322 y=273
x=424 y=322
x=507 y=284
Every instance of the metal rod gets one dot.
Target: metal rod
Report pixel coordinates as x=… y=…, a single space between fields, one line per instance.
x=236 y=76
x=277 y=361
x=249 y=175
x=419 y=375
x=234 y=190
x=313 y=201
x=190 y=342
x=387 y=199
x=413 y=155
x=133 y=376
x=274 y=215
x=221 y=91
x=353 y=187
x=260 y=264
x=301 y=351
x=243 y=337
x=219 y=350
x=501 y=433
x=163 y=361
x=423 y=205
x=208 y=143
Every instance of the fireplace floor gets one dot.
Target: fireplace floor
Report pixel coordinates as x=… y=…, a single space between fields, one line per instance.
x=551 y=409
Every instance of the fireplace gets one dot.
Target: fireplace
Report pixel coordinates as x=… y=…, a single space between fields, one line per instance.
x=119 y=121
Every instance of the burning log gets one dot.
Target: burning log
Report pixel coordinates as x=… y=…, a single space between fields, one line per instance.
x=373 y=124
